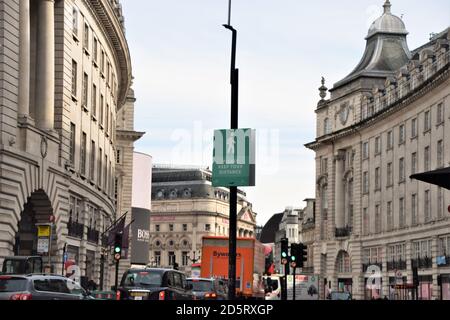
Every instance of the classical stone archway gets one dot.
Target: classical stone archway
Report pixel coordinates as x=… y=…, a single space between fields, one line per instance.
x=38 y=209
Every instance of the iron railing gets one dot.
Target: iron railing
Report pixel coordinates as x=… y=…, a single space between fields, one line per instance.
x=396 y=265
x=422 y=263
x=343 y=232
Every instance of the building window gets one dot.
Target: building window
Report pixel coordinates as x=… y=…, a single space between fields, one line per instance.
x=95 y=50
x=389 y=174
x=83 y=153
x=344 y=264
x=365 y=150
x=365 y=182
x=326 y=126
x=184 y=227
x=427 y=121
x=414 y=209
x=377 y=179
x=207 y=227
x=108 y=68
x=401 y=213
x=377 y=145
x=107 y=118
x=401 y=134
x=440 y=203
x=427 y=206
x=401 y=170
x=390 y=140
x=102 y=62
x=171 y=227
x=85 y=89
x=377 y=219
x=389 y=218
x=185 y=258
x=366 y=221
x=75 y=21
x=440 y=114
x=414 y=128
x=86 y=37
x=105 y=175
x=99 y=167
x=92 y=161
x=157 y=258
x=102 y=102
x=440 y=154
x=172 y=258
x=422 y=249
x=413 y=163
x=74 y=78
x=157 y=228
x=426 y=159
x=72 y=144
x=94 y=100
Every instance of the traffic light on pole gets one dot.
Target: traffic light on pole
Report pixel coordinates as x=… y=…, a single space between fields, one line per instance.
x=303 y=254
x=294 y=254
x=118 y=246
x=284 y=251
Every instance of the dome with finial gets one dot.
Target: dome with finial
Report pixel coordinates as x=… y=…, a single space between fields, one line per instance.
x=387 y=23
x=386 y=49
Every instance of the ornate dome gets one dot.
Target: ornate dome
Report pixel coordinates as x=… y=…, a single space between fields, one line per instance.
x=387 y=23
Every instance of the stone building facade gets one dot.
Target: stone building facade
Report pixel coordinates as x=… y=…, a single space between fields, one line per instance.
x=185 y=208
x=388 y=119
x=296 y=225
x=65 y=74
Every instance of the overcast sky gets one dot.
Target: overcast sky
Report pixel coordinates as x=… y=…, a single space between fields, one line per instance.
x=181 y=62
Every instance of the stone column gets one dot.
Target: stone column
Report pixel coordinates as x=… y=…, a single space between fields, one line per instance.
x=339 y=192
x=45 y=80
x=24 y=58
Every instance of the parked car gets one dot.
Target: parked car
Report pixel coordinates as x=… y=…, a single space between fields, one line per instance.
x=208 y=289
x=154 y=284
x=339 y=296
x=40 y=287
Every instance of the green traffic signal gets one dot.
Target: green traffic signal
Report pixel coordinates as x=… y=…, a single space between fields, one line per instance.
x=117 y=249
x=293 y=258
x=284 y=254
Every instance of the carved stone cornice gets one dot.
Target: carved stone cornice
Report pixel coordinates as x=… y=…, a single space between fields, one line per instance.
x=112 y=26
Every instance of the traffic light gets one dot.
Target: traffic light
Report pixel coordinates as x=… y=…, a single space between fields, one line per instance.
x=284 y=251
x=294 y=254
x=118 y=246
x=302 y=254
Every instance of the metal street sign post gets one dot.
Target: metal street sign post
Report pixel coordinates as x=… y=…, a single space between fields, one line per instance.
x=234 y=81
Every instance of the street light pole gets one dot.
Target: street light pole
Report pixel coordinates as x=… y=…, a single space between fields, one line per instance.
x=234 y=81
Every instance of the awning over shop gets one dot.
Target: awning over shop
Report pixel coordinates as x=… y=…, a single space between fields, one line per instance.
x=439 y=177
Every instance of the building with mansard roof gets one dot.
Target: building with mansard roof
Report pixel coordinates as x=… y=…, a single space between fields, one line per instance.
x=388 y=119
x=185 y=208
x=66 y=129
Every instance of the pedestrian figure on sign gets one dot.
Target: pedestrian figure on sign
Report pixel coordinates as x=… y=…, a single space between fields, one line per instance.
x=230 y=143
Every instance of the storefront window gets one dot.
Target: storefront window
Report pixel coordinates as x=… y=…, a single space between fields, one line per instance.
x=425 y=287
x=445 y=287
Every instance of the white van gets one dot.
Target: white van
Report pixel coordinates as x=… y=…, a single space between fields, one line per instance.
x=272 y=286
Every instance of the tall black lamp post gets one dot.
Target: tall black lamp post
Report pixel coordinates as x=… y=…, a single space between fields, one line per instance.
x=234 y=80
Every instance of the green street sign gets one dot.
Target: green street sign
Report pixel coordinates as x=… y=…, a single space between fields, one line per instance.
x=234 y=158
